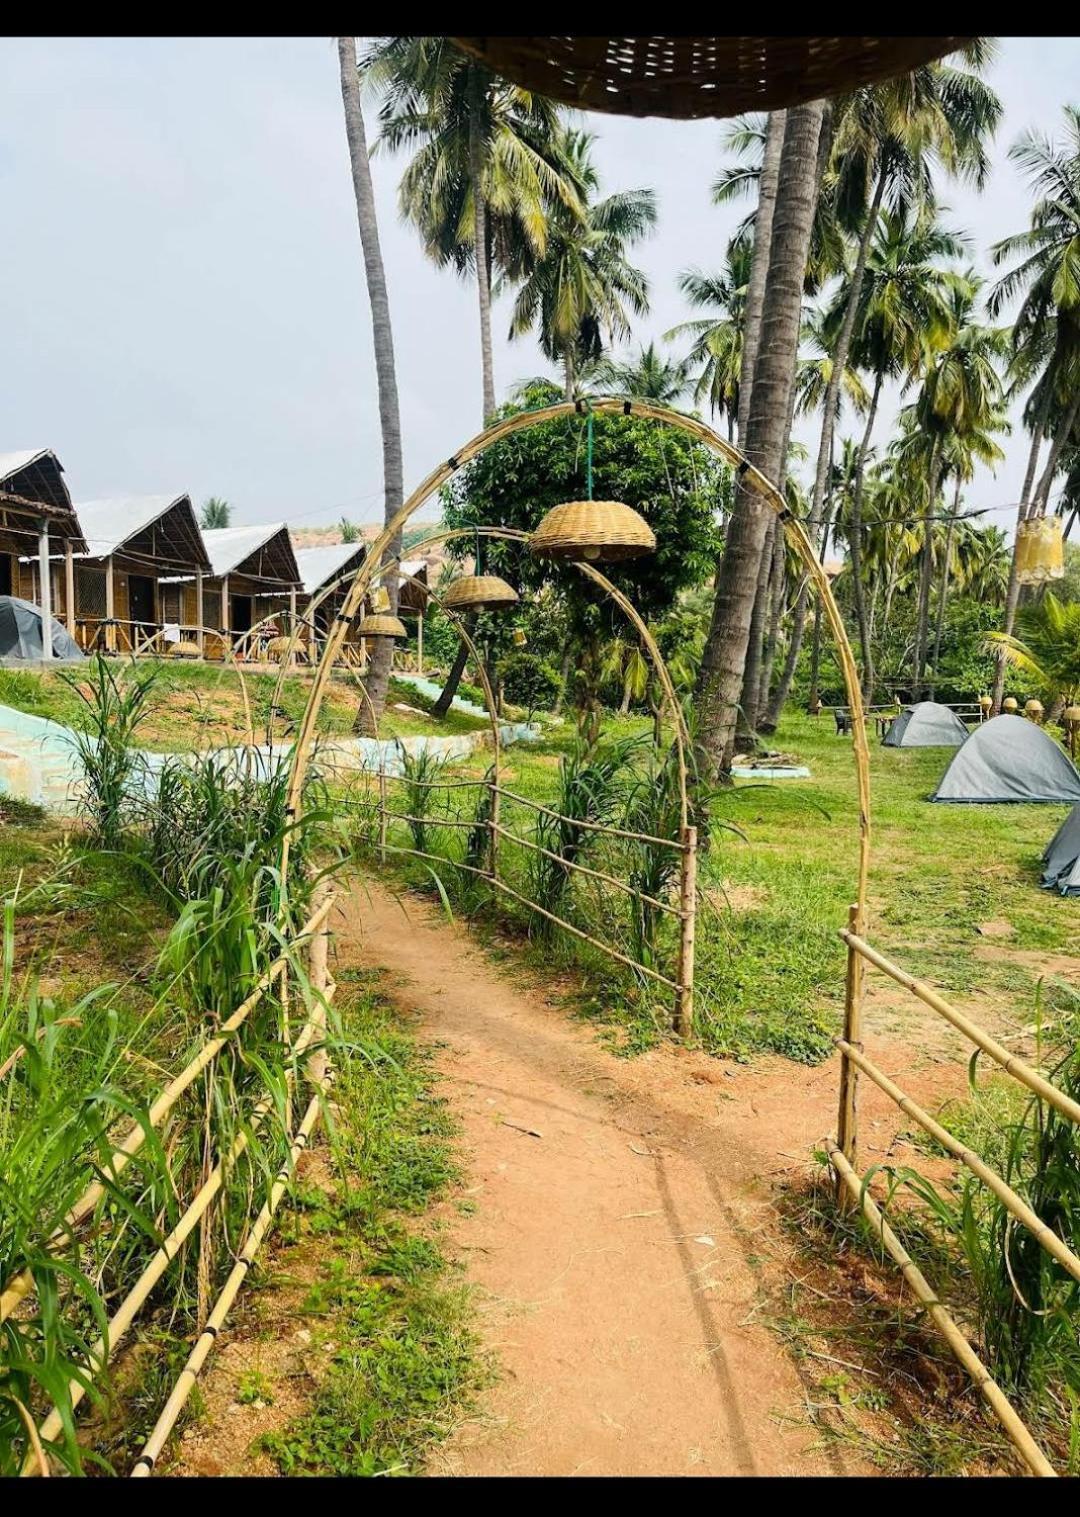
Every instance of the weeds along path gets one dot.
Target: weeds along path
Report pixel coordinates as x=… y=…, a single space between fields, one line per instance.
x=616 y=1221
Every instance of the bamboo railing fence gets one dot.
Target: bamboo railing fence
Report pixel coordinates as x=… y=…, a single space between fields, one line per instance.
x=683 y=910
x=310 y=1041
x=854 y=1187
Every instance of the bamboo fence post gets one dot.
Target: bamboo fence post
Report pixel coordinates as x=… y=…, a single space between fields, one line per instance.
x=493 y=827
x=847 y=1120
x=684 y=1002
x=318 y=958
x=382 y=814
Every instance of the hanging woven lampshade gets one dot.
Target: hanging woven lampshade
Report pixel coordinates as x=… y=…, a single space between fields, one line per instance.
x=479 y=592
x=1040 y=550
x=699 y=76
x=1033 y=710
x=1071 y=716
x=986 y=701
x=519 y=639
x=379 y=599
x=376 y=624
x=598 y=530
x=1010 y=703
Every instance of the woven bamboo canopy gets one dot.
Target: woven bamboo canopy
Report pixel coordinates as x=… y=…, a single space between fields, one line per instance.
x=598 y=530
x=479 y=592
x=699 y=76
x=376 y=624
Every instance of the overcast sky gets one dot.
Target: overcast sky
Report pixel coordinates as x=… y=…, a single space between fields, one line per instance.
x=182 y=294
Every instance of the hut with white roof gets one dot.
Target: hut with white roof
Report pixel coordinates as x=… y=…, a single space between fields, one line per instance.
x=38 y=527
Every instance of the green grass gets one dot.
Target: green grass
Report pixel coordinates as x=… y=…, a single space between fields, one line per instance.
x=404 y=1363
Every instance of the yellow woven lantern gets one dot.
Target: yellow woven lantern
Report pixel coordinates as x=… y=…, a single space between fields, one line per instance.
x=479 y=592
x=1010 y=703
x=1071 y=715
x=1040 y=550
x=376 y=624
x=519 y=639
x=986 y=701
x=1033 y=710
x=379 y=599
x=603 y=531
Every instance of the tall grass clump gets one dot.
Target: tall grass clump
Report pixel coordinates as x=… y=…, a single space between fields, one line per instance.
x=114 y=771
x=420 y=771
x=593 y=779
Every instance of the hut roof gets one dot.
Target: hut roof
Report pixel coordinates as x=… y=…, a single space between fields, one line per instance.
x=260 y=552
x=32 y=483
x=161 y=531
x=319 y=566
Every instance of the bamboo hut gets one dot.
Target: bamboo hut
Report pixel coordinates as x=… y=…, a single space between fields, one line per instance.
x=253 y=573
x=125 y=594
x=39 y=534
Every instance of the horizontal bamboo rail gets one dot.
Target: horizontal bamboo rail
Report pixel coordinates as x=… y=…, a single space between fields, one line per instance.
x=676 y=845
x=436 y=858
x=431 y=821
x=971 y=1030
x=1006 y=1195
x=987 y=1386
x=596 y=874
x=438 y=784
x=21 y=1286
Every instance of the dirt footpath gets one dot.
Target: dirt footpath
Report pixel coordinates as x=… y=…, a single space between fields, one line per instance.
x=619 y=1224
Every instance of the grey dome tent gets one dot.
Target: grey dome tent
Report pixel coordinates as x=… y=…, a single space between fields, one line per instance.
x=926 y=725
x=20 y=633
x=1009 y=759
x=1061 y=861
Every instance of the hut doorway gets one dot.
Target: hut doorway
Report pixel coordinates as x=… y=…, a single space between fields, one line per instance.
x=5 y=575
x=142 y=605
x=240 y=613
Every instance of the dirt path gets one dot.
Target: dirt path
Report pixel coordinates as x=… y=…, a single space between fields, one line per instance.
x=621 y=1231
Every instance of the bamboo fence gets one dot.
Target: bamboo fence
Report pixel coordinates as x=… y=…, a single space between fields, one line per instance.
x=310 y=1041
x=843 y=1153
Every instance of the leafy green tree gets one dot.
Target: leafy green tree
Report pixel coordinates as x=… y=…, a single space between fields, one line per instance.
x=215 y=513
x=1046 y=649
x=647 y=376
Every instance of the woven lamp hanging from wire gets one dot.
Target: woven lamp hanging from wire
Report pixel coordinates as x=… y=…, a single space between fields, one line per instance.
x=699 y=76
x=1040 y=550
x=381 y=624
x=599 y=531
x=479 y=592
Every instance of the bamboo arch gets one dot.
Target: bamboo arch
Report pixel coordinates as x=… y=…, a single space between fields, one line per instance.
x=794 y=530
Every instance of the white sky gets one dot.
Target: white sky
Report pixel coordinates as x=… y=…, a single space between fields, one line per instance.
x=182 y=296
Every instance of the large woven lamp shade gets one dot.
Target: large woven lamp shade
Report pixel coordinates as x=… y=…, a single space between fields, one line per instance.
x=597 y=530
x=376 y=624
x=478 y=592
x=699 y=76
x=1040 y=550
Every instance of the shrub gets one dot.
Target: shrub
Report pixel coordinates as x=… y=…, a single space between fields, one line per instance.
x=530 y=681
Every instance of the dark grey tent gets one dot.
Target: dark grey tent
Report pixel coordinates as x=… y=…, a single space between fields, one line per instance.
x=20 y=632
x=926 y=725
x=1061 y=861
x=1009 y=759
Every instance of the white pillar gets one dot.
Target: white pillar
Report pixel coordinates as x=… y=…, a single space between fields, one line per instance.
x=45 y=576
x=110 y=605
x=420 y=643
x=199 y=635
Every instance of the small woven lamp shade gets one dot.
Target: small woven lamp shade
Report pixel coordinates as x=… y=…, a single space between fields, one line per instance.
x=598 y=530
x=519 y=639
x=986 y=701
x=1009 y=703
x=479 y=592
x=376 y=624
x=1033 y=710
x=1040 y=550
x=1072 y=716
x=379 y=599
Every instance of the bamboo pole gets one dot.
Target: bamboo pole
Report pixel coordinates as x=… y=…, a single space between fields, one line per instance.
x=1008 y=1197
x=493 y=827
x=200 y=617
x=991 y=1392
x=110 y=606
x=382 y=814
x=684 y=1002
x=615 y=832
x=971 y=1030
x=596 y=874
x=21 y=1286
x=69 y=585
x=847 y=1119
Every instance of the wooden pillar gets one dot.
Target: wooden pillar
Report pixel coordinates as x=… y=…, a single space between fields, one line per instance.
x=45 y=577
x=110 y=606
x=684 y=1004
x=69 y=586
x=382 y=812
x=292 y=624
x=847 y=1124
x=200 y=635
x=225 y=614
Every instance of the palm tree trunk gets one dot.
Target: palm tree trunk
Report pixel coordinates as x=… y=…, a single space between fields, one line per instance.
x=1012 y=593
x=568 y=375
x=943 y=598
x=378 y=677
x=759 y=260
x=748 y=700
x=1061 y=439
x=480 y=243
x=720 y=675
x=858 y=589
x=777 y=578
x=453 y=680
x=926 y=574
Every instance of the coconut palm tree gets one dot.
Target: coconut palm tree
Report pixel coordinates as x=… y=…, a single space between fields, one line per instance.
x=486 y=171
x=582 y=288
x=716 y=349
x=720 y=675
x=378 y=677
x=1046 y=330
x=215 y=513
x=1046 y=648
x=648 y=376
